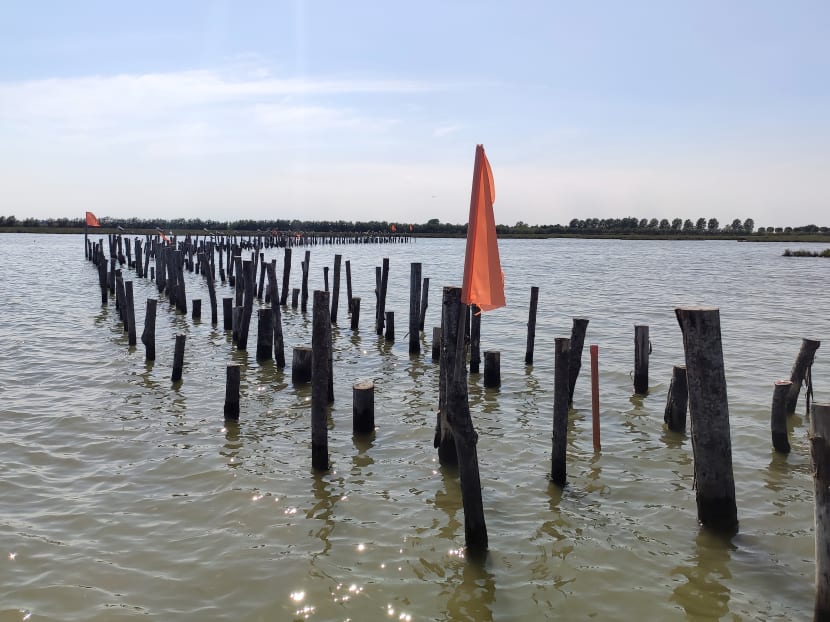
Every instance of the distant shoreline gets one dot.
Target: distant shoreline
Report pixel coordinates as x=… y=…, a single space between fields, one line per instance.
x=777 y=237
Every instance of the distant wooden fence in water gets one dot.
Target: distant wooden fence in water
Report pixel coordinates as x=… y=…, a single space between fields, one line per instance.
x=700 y=383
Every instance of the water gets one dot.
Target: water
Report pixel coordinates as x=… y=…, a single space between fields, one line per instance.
x=125 y=496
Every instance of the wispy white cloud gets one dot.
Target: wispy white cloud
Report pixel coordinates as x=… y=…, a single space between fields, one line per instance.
x=445 y=130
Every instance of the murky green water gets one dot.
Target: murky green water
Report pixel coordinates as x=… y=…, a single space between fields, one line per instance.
x=124 y=496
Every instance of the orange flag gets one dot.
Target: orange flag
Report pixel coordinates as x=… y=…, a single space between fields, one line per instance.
x=91 y=221
x=483 y=283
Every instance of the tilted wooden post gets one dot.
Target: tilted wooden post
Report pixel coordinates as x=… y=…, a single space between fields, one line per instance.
x=578 y=330
x=801 y=367
x=148 y=337
x=531 y=325
x=709 y=409
x=820 y=453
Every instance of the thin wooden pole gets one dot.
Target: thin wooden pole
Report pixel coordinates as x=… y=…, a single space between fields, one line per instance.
x=475 y=339
x=641 y=352
x=424 y=303
x=778 y=416
x=594 y=349
x=414 y=307
x=531 y=325
x=578 y=330
x=335 y=288
x=561 y=365
x=320 y=372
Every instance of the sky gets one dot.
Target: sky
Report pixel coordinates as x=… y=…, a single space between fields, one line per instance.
x=356 y=110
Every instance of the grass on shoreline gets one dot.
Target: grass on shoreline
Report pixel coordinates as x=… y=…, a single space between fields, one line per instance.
x=800 y=253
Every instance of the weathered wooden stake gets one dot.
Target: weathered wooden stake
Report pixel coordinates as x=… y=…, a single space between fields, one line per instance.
x=232 y=381
x=475 y=339
x=492 y=368
x=306 y=267
x=578 y=329
x=436 y=343
x=801 y=367
x=363 y=407
x=709 y=410
x=335 y=289
x=265 y=335
x=595 y=396
x=384 y=281
x=301 y=365
x=820 y=454
x=444 y=442
x=148 y=337
x=778 y=416
x=178 y=358
x=320 y=373
x=197 y=308
x=424 y=303
x=390 y=326
x=531 y=325
x=642 y=348
x=561 y=374
x=355 y=312
x=677 y=400
x=349 y=285
x=295 y=295
x=286 y=271
x=414 y=307
x=130 y=312
x=227 y=313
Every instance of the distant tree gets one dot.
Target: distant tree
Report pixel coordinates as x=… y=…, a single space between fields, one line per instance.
x=761 y=230
x=737 y=226
x=779 y=230
x=688 y=226
x=665 y=225
x=653 y=223
x=788 y=229
x=713 y=225
x=574 y=224
x=749 y=226
x=677 y=224
x=643 y=223
x=700 y=225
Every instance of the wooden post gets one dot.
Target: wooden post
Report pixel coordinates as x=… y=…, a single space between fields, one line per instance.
x=464 y=435
x=130 y=312
x=820 y=454
x=349 y=285
x=355 y=312
x=279 y=345
x=444 y=442
x=475 y=339
x=325 y=278
x=677 y=400
x=578 y=330
x=102 y=276
x=306 y=266
x=262 y=269
x=335 y=288
x=531 y=325
x=384 y=281
x=595 y=396
x=801 y=367
x=178 y=358
x=295 y=295
x=197 y=308
x=265 y=335
x=390 y=326
x=778 y=416
x=232 y=380
x=363 y=408
x=248 y=305
x=227 y=313
x=436 y=343
x=424 y=303
x=148 y=337
x=561 y=374
x=286 y=271
x=320 y=372
x=642 y=348
x=492 y=368
x=301 y=365
x=414 y=307
x=709 y=410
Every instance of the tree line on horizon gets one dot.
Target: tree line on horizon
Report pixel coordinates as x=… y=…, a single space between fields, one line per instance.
x=576 y=226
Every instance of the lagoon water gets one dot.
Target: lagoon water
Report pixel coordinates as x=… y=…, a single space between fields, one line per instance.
x=124 y=496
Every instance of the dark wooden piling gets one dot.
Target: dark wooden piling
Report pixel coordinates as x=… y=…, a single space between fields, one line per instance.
x=139 y=267
x=178 y=358
x=475 y=339
x=492 y=369
x=436 y=343
x=464 y=435
x=320 y=374
x=414 y=308
x=295 y=297
x=148 y=337
x=444 y=441
x=363 y=408
x=677 y=400
x=578 y=330
x=279 y=345
x=232 y=381
x=130 y=313
x=265 y=335
x=102 y=277
x=561 y=375
x=349 y=285
x=196 y=308
x=531 y=325
x=820 y=454
x=335 y=288
x=390 y=326
x=801 y=370
x=207 y=272
x=247 y=306
x=227 y=313
x=260 y=290
x=424 y=303
x=709 y=410
x=286 y=272
x=778 y=416
x=326 y=278
x=595 y=396
x=305 y=266
x=301 y=365
x=355 y=313
x=384 y=281
x=642 y=349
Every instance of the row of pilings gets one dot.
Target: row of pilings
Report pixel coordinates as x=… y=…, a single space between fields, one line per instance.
x=697 y=388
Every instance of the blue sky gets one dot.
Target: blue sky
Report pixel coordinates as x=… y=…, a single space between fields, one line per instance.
x=372 y=110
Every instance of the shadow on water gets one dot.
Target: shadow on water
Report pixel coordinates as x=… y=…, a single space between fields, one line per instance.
x=473 y=593
x=673 y=440
x=362 y=460
x=233 y=444
x=449 y=501
x=704 y=594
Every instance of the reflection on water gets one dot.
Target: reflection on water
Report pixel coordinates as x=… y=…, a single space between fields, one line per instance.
x=703 y=594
